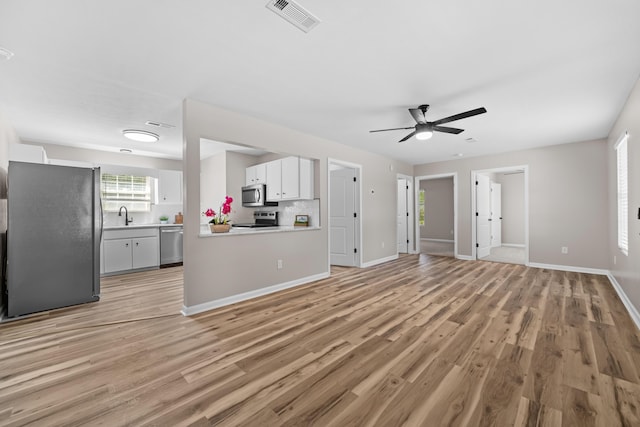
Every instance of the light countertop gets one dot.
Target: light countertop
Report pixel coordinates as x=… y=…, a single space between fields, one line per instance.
x=244 y=231
x=134 y=225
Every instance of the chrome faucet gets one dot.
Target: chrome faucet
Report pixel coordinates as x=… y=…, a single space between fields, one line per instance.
x=126 y=215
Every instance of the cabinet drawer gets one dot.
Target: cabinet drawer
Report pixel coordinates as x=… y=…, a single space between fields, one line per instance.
x=131 y=233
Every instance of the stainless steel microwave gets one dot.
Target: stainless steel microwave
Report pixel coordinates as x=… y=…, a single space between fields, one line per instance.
x=255 y=196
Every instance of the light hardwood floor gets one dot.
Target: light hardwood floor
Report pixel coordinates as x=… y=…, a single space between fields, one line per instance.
x=419 y=341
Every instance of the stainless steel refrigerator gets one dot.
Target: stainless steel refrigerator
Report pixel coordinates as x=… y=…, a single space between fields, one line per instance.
x=54 y=228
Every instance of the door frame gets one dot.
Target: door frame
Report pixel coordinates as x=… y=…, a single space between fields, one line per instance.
x=472 y=213
x=358 y=229
x=411 y=245
x=416 y=186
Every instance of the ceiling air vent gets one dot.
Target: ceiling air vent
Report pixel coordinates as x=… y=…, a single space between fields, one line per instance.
x=294 y=13
x=159 y=124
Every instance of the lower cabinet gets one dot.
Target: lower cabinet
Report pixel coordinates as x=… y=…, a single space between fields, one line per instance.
x=130 y=249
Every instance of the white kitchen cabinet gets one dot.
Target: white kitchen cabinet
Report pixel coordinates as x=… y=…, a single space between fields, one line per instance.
x=274 y=180
x=290 y=178
x=145 y=252
x=117 y=255
x=130 y=249
x=169 y=190
x=256 y=174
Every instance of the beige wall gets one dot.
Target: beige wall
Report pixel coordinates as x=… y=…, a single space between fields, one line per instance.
x=7 y=136
x=219 y=267
x=626 y=269
x=567 y=200
x=512 y=207
x=438 y=209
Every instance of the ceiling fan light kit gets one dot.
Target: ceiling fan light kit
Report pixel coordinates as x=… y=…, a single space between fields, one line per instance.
x=423 y=129
x=424 y=134
x=140 y=135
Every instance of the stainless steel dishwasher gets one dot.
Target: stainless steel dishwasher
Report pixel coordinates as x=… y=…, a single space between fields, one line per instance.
x=170 y=245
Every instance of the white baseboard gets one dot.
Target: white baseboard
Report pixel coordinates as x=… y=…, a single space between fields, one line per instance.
x=199 y=308
x=437 y=240
x=379 y=261
x=464 y=257
x=570 y=268
x=513 y=245
x=633 y=312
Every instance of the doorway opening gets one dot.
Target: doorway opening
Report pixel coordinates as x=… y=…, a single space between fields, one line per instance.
x=436 y=214
x=345 y=236
x=500 y=215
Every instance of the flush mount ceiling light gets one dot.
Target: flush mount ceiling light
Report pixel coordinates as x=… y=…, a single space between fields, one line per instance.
x=140 y=135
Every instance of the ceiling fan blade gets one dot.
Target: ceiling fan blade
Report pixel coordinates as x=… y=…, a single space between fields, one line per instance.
x=447 y=129
x=464 y=115
x=418 y=115
x=384 y=130
x=408 y=136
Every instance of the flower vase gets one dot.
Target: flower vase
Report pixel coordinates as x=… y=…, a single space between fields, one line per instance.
x=220 y=228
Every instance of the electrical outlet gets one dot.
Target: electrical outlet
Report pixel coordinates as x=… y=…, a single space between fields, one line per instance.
x=382 y=245
x=279 y=264
x=565 y=250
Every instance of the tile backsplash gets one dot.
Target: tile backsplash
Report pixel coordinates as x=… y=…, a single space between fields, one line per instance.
x=288 y=210
x=153 y=217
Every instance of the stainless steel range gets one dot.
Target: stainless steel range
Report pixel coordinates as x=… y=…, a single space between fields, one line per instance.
x=262 y=219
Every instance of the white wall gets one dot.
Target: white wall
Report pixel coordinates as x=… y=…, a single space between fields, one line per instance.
x=567 y=200
x=626 y=269
x=237 y=164
x=219 y=267
x=55 y=151
x=213 y=182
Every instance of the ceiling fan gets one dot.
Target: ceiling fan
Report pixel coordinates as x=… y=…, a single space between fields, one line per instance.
x=424 y=130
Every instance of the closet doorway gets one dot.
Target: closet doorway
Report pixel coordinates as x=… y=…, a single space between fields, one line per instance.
x=500 y=200
x=436 y=214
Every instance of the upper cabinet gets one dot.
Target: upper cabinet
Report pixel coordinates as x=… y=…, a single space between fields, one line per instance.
x=256 y=174
x=169 y=187
x=290 y=178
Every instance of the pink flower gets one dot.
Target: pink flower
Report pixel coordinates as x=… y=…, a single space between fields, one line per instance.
x=221 y=217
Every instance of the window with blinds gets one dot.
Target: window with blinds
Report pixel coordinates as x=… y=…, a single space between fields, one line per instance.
x=421 y=207
x=134 y=192
x=623 y=195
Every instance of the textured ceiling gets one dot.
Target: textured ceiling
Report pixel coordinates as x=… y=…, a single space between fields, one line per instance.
x=548 y=72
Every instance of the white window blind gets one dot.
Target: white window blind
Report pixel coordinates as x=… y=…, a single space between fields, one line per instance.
x=134 y=192
x=623 y=197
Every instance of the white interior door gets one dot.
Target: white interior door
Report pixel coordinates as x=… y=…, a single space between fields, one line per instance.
x=483 y=215
x=496 y=215
x=342 y=217
x=403 y=217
